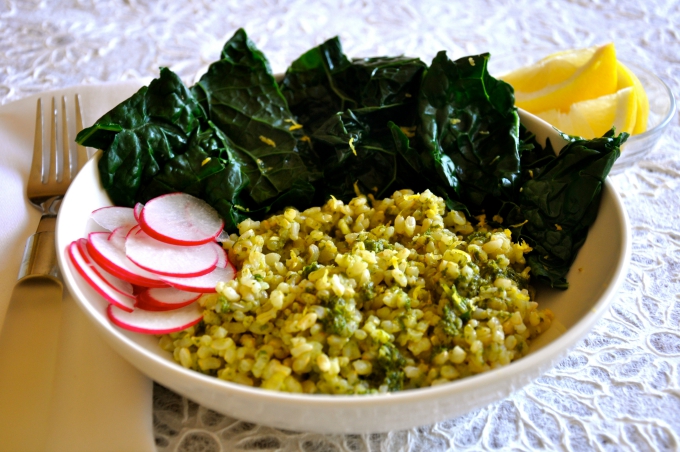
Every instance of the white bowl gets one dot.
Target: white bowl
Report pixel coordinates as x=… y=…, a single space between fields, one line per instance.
x=596 y=275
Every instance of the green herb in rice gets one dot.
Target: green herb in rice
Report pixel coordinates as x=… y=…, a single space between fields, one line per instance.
x=365 y=297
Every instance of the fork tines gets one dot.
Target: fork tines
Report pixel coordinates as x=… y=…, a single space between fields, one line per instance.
x=57 y=164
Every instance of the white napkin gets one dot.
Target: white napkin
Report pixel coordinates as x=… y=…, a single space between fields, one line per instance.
x=83 y=396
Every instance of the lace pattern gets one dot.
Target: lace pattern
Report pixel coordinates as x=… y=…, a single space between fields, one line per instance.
x=619 y=389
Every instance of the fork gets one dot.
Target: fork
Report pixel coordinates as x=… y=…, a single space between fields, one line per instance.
x=48 y=382
x=50 y=176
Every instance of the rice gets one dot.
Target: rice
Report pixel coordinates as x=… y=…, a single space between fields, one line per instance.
x=365 y=297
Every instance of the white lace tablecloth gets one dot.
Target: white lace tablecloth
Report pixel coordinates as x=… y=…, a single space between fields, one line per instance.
x=619 y=389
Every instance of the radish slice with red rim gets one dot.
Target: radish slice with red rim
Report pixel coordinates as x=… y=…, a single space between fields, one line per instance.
x=205 y=283
x=97 y=282
x=165 y=298
x=148 y=307
x=139 y=289
x=137 y=211
x=118 y=235
x=222 y=258
x=121 y=286
x=113 y=217
x=180 y=219
x=112 y=259
x=169 y=260
x=156 y=322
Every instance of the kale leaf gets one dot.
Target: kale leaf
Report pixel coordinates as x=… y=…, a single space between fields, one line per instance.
x=469 y=129
x=225 y=140
x=351 y=109
x=142 y=134
x=353 y=158
x=561 y=202
x=243 y=100
x=323 y=82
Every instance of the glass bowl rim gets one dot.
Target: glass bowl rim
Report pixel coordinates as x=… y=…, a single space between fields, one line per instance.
x=664 y=121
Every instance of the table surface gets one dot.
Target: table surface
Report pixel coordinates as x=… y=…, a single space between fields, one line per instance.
x=619 y=389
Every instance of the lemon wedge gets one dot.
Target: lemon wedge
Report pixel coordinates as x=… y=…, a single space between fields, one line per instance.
x=625 y=79
x=551 y=70
x=593 y=118
x=582 y=92
x=571 y=123
x=596 y=78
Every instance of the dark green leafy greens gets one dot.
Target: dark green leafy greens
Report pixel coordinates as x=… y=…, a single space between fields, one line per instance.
x=353 y=111
x=242 y=99
x=142 y=134
x=560 y=202
x=323 y=82
x=225 y=140
x=469 y=130
x=334 y=126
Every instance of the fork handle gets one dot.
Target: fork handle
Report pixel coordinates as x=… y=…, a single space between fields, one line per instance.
x=40 y=253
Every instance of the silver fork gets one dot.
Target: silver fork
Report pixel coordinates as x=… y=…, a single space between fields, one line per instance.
x=52 y=171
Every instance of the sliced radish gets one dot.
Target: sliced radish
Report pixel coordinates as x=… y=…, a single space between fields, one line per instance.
x=112 y=259
x=123 y=287
x=165 y=298
x=222 y=258
x=156 y=322
x=137 y=211
x=94 y=279
x=180 y=219
x=113 y=217
x=205 y=283
x=118 y=235
x=148 y=307
x=169 y=260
